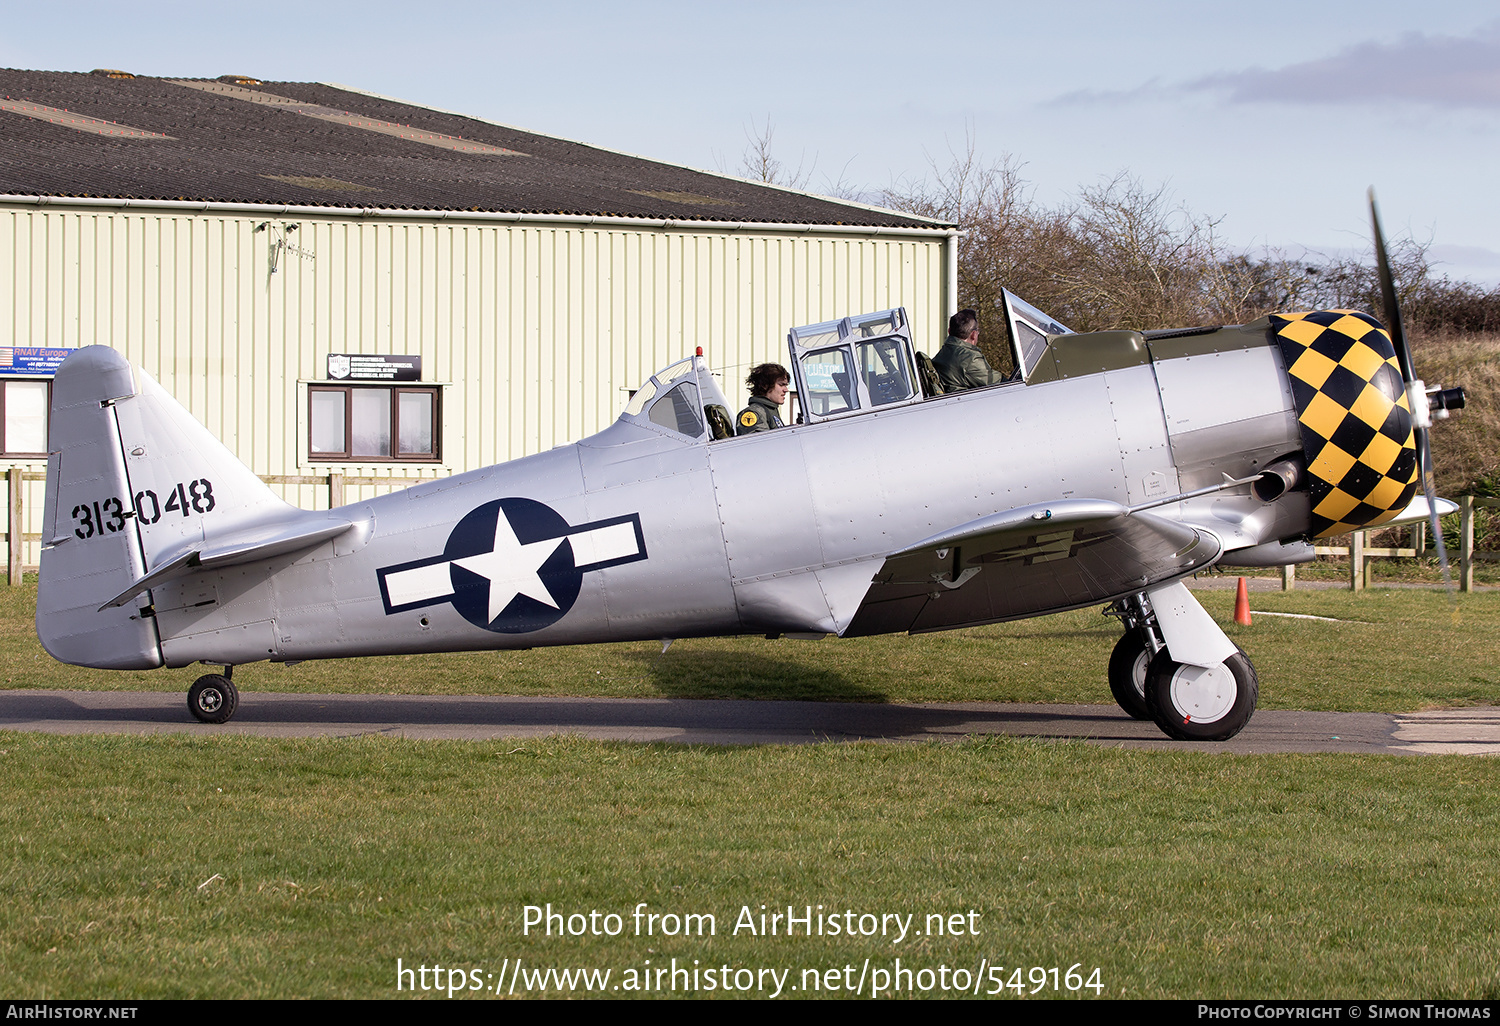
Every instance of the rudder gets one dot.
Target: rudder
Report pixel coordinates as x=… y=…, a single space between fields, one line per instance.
x=89 y=552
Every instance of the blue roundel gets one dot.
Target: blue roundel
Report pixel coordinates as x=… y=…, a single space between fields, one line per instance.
x=516 y=552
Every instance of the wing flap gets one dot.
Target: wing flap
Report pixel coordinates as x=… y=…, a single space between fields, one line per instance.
x=1025 y=562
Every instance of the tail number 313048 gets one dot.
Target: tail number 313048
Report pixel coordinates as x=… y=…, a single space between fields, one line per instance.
x=108 y=516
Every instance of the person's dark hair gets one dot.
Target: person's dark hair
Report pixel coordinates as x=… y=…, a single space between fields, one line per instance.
x=765 y=377
x=961 y=323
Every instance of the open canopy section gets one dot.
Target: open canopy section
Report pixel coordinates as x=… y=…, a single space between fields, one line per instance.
x=854 y=365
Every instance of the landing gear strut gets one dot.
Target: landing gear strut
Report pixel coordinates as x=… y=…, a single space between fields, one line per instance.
x=1187 y=701
x=213 y=697
x=1133 y=654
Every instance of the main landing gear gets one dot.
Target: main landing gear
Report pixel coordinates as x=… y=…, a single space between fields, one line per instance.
x=213 y=697
x=1188 y=702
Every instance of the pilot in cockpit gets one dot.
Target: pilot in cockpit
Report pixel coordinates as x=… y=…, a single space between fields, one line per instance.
x=768 y=384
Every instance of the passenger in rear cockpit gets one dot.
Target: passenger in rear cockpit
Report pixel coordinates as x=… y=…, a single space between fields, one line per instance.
x=960 y=364
x=768 y=384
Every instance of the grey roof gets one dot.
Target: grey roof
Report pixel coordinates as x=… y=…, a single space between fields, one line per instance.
x=301 y=143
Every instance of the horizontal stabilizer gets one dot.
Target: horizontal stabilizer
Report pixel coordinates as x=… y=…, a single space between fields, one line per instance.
x=246 y=546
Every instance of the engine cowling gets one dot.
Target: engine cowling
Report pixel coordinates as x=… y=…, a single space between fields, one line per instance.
x=1354 y=418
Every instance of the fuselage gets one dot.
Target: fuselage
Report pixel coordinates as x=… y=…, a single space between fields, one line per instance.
x=738 y=535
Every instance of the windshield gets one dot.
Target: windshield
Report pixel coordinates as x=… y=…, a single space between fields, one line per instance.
x=1029 y=328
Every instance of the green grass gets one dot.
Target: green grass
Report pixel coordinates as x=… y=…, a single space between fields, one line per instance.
x=1176 y=874
x=1406 y=652
x=251 y=867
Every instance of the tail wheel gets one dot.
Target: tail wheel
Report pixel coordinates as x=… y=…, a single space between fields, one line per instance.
x=212 y=698
x=1127 y=674
x=1195 y=703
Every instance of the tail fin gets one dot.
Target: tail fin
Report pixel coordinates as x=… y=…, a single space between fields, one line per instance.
x=138 y=492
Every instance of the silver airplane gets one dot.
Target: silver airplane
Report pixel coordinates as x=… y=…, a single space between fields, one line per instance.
x=1114 y=466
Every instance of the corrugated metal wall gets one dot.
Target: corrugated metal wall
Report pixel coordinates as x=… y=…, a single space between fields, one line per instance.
x=539 y=328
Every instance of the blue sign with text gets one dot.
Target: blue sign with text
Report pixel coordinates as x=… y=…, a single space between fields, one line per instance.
x=31 y=360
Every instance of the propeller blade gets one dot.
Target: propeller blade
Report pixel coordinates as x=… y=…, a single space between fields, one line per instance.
x=1425 y=457
x=1388 y=297
x=1416 y=394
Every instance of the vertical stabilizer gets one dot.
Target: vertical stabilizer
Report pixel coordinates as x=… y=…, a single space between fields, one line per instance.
x=137 y=487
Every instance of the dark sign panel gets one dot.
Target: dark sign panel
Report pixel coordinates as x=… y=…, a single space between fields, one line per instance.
x=363 y=367
x=31 y=360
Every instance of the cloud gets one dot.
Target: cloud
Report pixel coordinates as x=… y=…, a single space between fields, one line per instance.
x=1434 y=71
x=1155 y=89
x=1468 y=256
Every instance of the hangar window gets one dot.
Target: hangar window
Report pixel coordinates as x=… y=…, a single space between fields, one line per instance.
x=373 y=423
x=23 y=417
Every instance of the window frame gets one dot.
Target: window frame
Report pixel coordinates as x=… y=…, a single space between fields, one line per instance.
x=5 y=450
x=393 y=392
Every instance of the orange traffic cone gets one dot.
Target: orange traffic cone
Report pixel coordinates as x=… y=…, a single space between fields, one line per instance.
x=1242 y=604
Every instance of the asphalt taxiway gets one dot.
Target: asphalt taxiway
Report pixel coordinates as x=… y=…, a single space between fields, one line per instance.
x=1474 y=731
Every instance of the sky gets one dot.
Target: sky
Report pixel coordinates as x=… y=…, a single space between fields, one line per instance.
x=1272 y=118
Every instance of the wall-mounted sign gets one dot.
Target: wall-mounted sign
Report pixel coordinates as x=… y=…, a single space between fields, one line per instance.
x=31 y=359
x=363 y=367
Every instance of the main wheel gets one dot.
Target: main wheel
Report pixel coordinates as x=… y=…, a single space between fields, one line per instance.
x=1194 y=703
x=212 y=698
x=1127 y=674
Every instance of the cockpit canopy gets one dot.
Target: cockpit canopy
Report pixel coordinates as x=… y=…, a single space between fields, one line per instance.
x=854 y=364
x=1029 y=329
x=682 y=398
x=840 y=368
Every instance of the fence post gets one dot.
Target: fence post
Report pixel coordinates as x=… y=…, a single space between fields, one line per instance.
x=16 y=534
x=1466 y=543
x=1356 y=561
x=1288 y=576
x=335 y=490
x=1419 y=538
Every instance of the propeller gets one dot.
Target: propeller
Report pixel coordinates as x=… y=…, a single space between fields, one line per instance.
x=1416 y=391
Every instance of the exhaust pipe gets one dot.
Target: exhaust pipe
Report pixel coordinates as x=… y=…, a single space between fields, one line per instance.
x=1277 y=479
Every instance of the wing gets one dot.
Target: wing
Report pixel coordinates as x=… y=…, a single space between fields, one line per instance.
x=1028 y=561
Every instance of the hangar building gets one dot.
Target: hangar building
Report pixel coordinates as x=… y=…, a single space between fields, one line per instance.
x=354 y=293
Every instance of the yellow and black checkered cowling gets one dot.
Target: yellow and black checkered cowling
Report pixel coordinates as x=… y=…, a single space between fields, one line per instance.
x=1354 y=417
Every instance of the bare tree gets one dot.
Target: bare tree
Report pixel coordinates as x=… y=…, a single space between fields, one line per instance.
x=759 y=162
x=1138 y=260
x=988 y=200
x=1120 y=255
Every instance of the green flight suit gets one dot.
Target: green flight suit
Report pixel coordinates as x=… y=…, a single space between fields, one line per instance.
x=760 y=415
x=961 y=366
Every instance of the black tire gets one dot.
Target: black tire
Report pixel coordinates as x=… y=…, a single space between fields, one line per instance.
x=1190 y=703
x=212 y=698
x=1127 y=674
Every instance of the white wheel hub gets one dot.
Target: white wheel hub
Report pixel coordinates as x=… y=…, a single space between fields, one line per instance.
x=1138 y=672
x=1204 y=694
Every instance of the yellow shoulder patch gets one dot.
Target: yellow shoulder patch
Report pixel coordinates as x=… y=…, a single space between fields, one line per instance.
x=748 y=419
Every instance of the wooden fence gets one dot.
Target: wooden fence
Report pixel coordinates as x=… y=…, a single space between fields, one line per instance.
x=1359 y=563
x=1361 y=554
